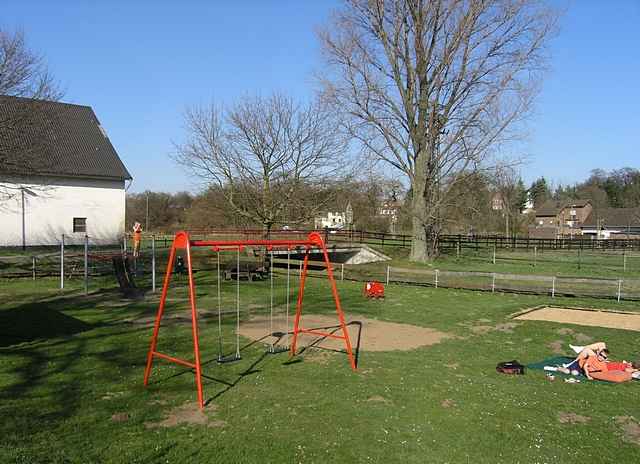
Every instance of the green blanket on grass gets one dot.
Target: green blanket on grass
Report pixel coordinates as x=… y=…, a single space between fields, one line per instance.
x=555 y=361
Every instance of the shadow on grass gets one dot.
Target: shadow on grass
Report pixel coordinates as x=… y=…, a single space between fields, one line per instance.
x=36 y=322
x=253 y=368
x=51 y=349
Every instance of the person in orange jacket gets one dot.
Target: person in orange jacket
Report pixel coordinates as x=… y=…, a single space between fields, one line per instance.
x=137 y=238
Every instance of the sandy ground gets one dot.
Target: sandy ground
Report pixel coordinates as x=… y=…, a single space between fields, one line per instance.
x=374 y=336
x=582 y=317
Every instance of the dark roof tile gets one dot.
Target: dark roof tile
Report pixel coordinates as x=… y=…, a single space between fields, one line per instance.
x=613 y=217
x=51 y=138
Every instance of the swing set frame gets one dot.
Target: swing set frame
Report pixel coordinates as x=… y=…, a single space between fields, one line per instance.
x=182 y=241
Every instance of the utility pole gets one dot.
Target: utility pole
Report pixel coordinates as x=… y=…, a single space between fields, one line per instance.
x=24 y=190
x=146 y=224
x=24 y=239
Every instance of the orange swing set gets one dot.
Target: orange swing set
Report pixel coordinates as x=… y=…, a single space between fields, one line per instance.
x=182 y=241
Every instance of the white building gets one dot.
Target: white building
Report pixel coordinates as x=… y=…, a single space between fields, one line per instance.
x=331 y=220
x=63 y=176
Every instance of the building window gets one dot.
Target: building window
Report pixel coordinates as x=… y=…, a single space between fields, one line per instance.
x=79 y=225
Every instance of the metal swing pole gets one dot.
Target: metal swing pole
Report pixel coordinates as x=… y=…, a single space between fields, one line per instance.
x=220 y=347
x=238 y=305
x=272 y=348
x=288 y=294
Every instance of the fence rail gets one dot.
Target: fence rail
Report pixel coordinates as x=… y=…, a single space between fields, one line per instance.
x=618 y=289
x=446 y=242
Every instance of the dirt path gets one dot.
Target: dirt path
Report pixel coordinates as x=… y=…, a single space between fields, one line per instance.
x=583 y=317
x=375 y=335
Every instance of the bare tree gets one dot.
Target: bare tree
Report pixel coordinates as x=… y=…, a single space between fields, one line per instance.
x=433 y=87
x=508 y=185
x=23 y=73
x=271 y=157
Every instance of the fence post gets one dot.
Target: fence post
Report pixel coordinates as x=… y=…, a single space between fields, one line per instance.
x=619 y=289
x=153 y=263
x=494 y=254
x=388 y=272
x=535 y=255
x=342 y=272
x=124 y=244
x=86 y=264
x=33 y=267
x=579 y=259
x=62 y=263
x=624 y=261
x=493 y=282
x=553 y=287
x=436 y=282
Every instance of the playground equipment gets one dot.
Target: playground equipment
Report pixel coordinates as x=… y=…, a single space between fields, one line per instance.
x=122 y=267
x=183 y=243
x=373 y=290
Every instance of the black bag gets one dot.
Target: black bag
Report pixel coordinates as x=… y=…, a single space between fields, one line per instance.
x=510 y=367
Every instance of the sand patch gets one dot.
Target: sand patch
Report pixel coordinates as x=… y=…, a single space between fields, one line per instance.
x=582 y=338
x=630 y=429
x=595 y=318
x=556 y=346
x=377 y=399
x=447 y=403
x=375 y=335
x=565 y=331
x=481 y=329
x=188 y=414
x=572 y=418
x=505 y=327
x=120 y=417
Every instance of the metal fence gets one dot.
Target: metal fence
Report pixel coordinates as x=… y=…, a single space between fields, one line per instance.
x=618 y=289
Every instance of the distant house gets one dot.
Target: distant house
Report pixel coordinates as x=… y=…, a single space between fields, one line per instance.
x=560 y=219
x=332 y=220
x=497 y=202
x=605 y=223
x=72 y=181
x=391 y=210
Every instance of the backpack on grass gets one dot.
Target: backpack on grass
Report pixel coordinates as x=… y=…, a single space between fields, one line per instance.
x=510 y=367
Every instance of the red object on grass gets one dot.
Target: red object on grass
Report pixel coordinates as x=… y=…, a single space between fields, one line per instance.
x=374 y=290
x=182 y=241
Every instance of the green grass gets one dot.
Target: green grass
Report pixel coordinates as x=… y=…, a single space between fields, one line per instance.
x=556 y=262
x=70 y=362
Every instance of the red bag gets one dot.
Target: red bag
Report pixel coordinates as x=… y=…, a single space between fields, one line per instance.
x=373 y=290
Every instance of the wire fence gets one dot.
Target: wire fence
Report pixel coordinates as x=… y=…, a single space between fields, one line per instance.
x=84 y=262
x=618 y=289
x=621 y=262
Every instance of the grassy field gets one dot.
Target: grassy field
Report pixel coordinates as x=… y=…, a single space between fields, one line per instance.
x=557 y=262
x=71 y=384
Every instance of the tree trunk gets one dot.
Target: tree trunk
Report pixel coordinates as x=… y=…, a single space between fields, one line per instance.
x=424 y=241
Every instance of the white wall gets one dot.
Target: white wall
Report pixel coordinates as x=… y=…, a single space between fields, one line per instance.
x=58 y=201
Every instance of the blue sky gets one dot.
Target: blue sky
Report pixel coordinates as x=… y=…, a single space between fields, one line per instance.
x=138 y=64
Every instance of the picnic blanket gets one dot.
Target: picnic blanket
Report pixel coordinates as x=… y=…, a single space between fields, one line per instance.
x=555 y=361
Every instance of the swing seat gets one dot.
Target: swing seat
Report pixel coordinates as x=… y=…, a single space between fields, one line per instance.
x=229 y=358
x=275 y=349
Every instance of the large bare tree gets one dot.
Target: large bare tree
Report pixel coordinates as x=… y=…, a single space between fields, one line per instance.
x=23 y=73
x=271 y=157
x=433 y=87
